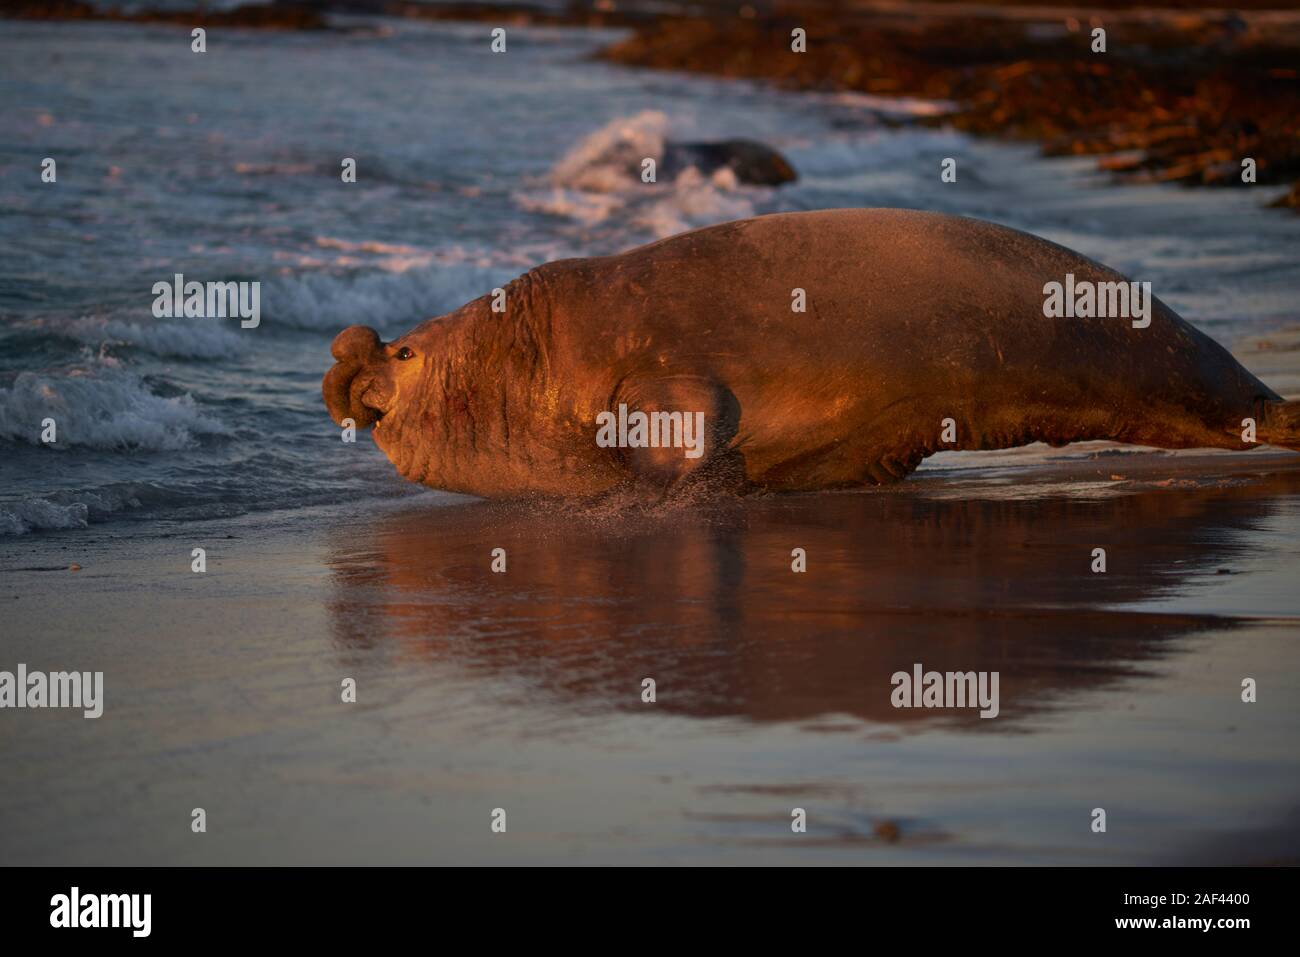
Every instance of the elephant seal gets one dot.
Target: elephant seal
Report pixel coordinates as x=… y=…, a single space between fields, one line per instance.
x=921 y=332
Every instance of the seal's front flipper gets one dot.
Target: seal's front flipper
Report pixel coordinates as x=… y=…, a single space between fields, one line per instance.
x=676 y=433
x=1281 y=425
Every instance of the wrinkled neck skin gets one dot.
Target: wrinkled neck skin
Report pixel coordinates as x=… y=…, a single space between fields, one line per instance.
x=466 y=423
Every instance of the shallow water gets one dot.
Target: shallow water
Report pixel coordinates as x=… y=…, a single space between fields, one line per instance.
x=523 y=690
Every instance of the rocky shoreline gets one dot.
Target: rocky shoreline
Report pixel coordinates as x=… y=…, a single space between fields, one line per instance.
x=1178 y=95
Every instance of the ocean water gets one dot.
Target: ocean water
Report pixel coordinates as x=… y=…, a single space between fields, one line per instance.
x=472 y=168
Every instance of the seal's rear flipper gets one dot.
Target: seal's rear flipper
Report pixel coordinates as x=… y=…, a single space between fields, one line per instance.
x=1281 y=425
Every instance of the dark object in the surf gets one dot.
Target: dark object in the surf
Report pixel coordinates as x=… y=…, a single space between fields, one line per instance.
x=754 y=163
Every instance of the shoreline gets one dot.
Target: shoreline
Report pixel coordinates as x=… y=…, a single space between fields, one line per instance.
x=1082 y=471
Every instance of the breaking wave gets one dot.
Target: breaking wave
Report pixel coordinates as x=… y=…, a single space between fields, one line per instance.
x=599 y=180
x=179 y=338
x=101 y=407
x=19 y=518
x=387 y=299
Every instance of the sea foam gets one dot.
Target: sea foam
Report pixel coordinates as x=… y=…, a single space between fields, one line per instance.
x=101 y=407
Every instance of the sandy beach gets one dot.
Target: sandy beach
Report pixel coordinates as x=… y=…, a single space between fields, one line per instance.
x=523 y=690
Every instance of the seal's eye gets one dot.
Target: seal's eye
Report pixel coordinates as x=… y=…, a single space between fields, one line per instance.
x=404 y=353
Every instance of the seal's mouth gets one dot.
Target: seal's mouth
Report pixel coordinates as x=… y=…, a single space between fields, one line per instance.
x=350 y=393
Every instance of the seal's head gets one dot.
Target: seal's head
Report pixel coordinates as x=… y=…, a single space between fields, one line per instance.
x=382 y=384
x=436 y=396
x=367 y=377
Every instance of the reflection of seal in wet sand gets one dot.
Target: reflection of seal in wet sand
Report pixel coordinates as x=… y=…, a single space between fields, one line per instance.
x=706 y=593
x=912 y=319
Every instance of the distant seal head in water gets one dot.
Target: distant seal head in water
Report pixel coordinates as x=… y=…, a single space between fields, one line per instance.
x=689 y=363
x=753 y=163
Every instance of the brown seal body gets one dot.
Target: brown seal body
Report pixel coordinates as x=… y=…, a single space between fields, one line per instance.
x=920 y=332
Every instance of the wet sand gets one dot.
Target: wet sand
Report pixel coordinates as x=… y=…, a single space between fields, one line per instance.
x=522 y=690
